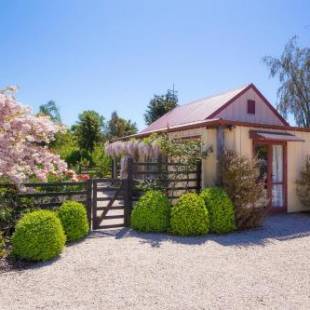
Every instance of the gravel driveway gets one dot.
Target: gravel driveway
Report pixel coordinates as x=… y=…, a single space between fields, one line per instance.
x=120 y=269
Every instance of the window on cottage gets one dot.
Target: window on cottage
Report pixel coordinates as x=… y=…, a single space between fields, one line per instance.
x=251 y=107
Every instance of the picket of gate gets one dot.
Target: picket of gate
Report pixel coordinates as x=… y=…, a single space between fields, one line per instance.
x=108 y=203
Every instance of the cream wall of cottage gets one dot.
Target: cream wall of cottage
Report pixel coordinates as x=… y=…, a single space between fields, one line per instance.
x=238 y=139
x=209 y=164
x=208 y=139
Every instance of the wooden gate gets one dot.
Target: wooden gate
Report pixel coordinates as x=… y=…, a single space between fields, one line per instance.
x=111 y=203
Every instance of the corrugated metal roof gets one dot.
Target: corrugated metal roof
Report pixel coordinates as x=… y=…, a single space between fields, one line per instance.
x=193 y=112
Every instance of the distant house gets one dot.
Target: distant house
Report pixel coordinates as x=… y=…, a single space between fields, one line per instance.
x=243 y=120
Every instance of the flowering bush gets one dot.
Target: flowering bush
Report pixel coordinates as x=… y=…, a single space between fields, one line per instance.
x=24 y=138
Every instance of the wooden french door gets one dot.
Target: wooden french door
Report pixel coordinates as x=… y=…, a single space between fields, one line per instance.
x=272 y=157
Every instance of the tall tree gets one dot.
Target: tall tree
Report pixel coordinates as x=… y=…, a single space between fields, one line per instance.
x=293 y=69
x=89 y=130
x=50 y=109
x=120 y=127
x=160 y=105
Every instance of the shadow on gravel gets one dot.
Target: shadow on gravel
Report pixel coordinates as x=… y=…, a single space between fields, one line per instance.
x=11 y=264
x=277 y=227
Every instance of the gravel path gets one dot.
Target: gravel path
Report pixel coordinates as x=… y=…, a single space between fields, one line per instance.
x=261 y=269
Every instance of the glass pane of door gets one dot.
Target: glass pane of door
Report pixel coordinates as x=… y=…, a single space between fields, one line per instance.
x=261 y=152
x=277 y=176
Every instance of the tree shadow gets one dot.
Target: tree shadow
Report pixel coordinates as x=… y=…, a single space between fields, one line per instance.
x=276 y=228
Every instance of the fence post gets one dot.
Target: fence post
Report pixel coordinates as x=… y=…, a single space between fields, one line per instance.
x=128 y=187
x=89 y=189
x=199 y=163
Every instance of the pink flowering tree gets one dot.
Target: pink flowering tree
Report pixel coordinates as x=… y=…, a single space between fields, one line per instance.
x=23 y=142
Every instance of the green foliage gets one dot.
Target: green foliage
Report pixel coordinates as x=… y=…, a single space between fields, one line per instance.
x=160 y=105
x=120 y=127
x=151 y=213
x=293 y=69
x=240 y=181
x=12 y=207
x=187 y=152
x=39 y=236
x=74 y=220
x=2 y=245
x=89 y=130
x=303 y=184
x=220 y=208
x=101 y=161
x=50 y=109
x=65 y=144
x=189 y=216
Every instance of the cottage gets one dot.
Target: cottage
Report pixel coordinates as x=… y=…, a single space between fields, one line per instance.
x=243 y=120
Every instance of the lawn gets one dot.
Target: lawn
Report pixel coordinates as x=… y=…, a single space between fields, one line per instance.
x=118 y=269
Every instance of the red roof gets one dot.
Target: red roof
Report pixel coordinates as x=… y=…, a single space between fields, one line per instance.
x=200 y=110
x=193 y=112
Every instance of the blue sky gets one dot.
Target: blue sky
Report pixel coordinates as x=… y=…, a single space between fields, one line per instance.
x=114 y=55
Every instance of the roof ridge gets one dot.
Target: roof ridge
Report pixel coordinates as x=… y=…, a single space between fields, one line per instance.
x=216 y=95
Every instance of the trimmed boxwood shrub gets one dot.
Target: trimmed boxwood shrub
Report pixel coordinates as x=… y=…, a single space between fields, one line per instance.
x=221 y=210
x=151 y=213
x=189 y=216
x=73 y=217
x=39 y=236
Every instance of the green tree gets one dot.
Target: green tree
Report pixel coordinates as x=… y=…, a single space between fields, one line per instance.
x=50 y=109
x=89 y=130
x=120 y=127
x=293 y=69
x=66 y=146
x=160 y=105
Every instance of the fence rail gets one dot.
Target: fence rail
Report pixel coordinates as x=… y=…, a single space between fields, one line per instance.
x=104 y=195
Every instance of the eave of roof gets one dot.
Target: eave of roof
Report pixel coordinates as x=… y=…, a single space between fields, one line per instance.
x=214 y=123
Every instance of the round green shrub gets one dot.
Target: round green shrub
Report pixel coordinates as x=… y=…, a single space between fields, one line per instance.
x=38 y=236
x=189 y=216
x=73 y=217
x=221 y=210
x=151 y=213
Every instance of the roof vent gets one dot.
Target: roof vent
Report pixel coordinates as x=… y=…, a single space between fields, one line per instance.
x=251 y=107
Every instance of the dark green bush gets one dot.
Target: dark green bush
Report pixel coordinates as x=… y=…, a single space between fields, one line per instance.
x=74 y=220
x=220 y=208
x=189 y=216
x=12 y=207
x=151 y=213
x=2 y=245
x=38 y=236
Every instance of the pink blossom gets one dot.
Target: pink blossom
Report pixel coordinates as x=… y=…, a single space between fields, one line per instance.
x=23 y=140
